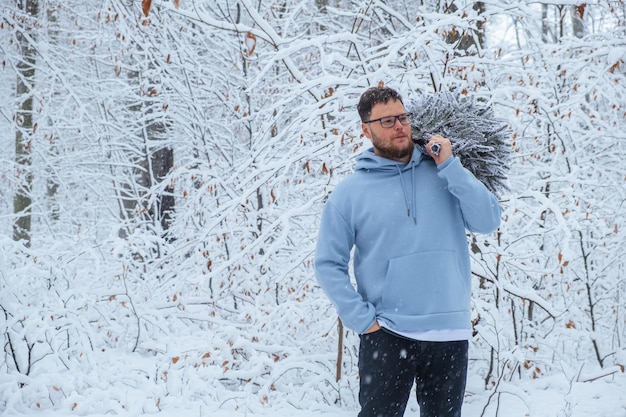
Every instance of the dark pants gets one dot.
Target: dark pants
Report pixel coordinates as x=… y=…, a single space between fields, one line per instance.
x=389 y=364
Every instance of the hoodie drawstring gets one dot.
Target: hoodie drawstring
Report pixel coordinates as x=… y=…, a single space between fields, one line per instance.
x=410 y=206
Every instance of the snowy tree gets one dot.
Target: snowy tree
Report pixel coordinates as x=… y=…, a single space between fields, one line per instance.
x=179 y=156
x=546 y=279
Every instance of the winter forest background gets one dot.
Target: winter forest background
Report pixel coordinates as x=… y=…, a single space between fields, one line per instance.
x=166 y=163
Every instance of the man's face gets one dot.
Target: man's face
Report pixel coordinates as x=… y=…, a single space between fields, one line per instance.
x=390 y=142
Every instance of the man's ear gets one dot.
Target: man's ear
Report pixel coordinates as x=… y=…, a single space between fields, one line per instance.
x=365 y=127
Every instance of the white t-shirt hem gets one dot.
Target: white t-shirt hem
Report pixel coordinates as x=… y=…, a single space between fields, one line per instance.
x=443 y=335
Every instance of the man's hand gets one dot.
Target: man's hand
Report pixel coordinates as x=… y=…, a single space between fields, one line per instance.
x=445 y=148
x=375 y=327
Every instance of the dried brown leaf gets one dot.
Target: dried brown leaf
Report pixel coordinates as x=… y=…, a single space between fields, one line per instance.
x=145 y=6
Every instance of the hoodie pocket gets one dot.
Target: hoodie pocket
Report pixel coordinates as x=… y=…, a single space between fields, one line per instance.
x=425 y=283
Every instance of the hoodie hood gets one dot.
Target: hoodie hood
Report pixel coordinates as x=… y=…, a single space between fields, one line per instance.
x=368 y=161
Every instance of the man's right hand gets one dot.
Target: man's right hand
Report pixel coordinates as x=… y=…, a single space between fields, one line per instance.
x=375 y=327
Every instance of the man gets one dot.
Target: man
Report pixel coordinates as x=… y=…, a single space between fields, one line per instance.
x=405 y=214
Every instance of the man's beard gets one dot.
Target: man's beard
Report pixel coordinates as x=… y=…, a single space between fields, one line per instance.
x=395 y=153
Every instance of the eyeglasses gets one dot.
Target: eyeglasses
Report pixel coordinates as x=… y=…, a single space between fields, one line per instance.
x=390 y=121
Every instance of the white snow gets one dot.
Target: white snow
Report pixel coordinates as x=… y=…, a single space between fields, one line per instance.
x=107 y=314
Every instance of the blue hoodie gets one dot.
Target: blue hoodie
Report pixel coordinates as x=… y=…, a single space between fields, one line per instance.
x=406 y=223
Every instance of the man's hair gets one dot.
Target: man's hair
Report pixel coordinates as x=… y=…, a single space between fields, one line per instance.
x=373 y=96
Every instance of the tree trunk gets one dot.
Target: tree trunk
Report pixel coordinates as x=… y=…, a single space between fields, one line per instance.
x=22 y=199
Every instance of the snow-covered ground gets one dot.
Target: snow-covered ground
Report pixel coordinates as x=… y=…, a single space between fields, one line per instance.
x=547 y=397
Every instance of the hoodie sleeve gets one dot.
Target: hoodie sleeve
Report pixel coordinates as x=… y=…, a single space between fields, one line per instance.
x=480 y=208
x=332 y=257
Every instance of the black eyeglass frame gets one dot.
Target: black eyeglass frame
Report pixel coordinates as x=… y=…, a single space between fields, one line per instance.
x=395 y=118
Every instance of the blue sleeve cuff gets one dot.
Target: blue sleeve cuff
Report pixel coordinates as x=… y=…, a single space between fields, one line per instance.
x=447 y=162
